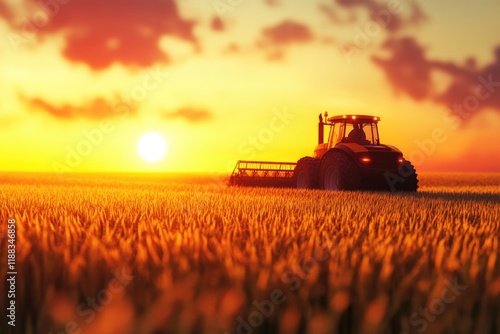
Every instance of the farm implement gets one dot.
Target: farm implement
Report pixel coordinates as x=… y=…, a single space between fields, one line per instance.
x=352 y=158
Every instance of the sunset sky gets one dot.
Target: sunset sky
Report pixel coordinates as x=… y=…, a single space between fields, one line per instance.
x=224 y=80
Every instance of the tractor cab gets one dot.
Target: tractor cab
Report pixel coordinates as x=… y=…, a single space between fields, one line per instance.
x=358 y=129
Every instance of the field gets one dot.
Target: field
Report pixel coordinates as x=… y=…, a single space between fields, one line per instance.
x=176 y=254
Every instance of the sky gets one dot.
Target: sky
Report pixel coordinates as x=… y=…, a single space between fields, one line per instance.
x=223 y=80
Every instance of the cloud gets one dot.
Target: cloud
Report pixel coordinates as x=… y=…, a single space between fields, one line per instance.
x=393 y=21
x=275 y=39
x=97 y=108
x=5 y=12
x=411 y=72
x=392 y=18
x=277 y=55
x=287 y=32
x=190 y=114
x=217 y=24
x=417 y=15
x=407 y=69
x=470 y=89
x=273 y=3
x=332 y=13
x=232 y=48
x=100 y=33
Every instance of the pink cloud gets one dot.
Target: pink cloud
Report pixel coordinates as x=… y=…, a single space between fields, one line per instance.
x=394 y=21
x=287 y=32
x=472 y=89
x=217 y=24
x=277 y=38
x=100 y=33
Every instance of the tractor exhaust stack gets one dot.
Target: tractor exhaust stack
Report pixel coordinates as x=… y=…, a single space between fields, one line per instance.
x=321 y=130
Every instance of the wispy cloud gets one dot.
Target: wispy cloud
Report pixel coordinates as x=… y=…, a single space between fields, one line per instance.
x=97 y=108
x=190 y=114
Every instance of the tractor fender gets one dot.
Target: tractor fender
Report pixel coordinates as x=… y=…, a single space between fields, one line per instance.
x=351 y=149
x=394 y=148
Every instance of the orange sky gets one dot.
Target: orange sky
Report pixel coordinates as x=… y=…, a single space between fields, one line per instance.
x=226 y=80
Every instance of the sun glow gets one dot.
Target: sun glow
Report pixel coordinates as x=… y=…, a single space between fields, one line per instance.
x=152 y=147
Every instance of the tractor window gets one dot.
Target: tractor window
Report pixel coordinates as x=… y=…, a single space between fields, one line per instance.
x=375 y=140
x=333 y=134
x=339 y=136
x=360 y=133
x=337 y=131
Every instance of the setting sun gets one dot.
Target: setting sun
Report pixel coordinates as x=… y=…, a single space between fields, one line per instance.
x=152 y=147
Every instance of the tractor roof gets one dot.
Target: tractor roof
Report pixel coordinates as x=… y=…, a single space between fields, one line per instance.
x=354 y=118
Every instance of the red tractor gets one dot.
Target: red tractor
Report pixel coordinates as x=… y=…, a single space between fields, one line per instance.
x=351 y=159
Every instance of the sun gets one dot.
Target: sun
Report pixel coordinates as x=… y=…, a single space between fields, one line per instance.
x=152 y=147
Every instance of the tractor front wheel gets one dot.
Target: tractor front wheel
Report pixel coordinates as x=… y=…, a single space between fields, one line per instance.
x=409 y=178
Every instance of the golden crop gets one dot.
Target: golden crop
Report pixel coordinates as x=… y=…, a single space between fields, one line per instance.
x=155 y=254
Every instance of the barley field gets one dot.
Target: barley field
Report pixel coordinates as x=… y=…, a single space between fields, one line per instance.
x=148 y=254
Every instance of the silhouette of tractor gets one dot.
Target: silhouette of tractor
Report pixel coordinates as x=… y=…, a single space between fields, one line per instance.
x=351 y=159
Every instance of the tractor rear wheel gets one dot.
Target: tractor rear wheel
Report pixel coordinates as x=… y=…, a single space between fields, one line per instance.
x=409 y=178
x=338 y=172
x=305 y=175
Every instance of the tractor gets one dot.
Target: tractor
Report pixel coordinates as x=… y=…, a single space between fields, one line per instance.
x=352 y=158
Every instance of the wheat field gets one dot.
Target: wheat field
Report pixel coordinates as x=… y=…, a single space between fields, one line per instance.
x=154 y=254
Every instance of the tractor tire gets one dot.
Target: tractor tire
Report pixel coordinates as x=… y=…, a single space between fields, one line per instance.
x=305 y=175
x=339 y=172
x=409 y=180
